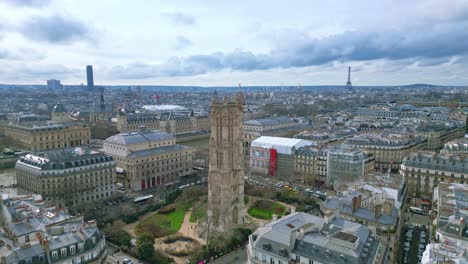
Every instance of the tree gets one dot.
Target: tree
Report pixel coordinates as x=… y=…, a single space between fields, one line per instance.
x=145 y=247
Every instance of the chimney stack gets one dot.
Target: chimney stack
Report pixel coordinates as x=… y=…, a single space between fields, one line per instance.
x=388 y=207
x=377 y=211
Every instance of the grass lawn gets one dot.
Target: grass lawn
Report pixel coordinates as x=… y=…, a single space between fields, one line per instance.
x=159 y=225
x=264 y=209
x=198 y=214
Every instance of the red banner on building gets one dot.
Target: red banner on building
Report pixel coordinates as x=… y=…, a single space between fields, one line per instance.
x=272 y=168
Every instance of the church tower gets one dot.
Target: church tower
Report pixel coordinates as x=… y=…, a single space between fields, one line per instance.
x=226 y=170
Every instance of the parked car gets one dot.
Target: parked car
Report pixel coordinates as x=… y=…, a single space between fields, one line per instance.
x=127 y=261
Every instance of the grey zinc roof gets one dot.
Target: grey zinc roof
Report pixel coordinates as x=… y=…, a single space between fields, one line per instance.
x=26 y=226
x=269 y=121
x=155 y=151
x=139 y=137
x=318 y=245
x=25 y=253
x=343 y=204
x=71 y=238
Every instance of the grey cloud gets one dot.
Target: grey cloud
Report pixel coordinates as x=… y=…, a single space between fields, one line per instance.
x=21 y=54
x=54 y=29
x=425 y=46
x=28 y=3
x=179 y=18
x=182 y=43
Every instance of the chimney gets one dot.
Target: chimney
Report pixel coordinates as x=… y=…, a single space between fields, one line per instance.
x=462 y=227
x=388 y=206
x=356 y=202
x=377 y=211
x=274 y=217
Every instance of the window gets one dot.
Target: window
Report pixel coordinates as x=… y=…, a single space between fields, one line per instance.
x=263 y=258
x=63 y=252
x=54 y=254
x=311 y=261
x=298 y=259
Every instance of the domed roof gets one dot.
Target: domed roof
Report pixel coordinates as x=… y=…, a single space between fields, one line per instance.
x=59 y=108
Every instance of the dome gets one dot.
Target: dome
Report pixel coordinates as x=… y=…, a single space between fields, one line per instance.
x=59 y=108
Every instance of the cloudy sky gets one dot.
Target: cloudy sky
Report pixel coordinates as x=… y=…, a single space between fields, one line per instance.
x=221 y=42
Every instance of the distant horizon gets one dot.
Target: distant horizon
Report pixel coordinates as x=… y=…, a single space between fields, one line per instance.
x=217 y=43
x=246 y=86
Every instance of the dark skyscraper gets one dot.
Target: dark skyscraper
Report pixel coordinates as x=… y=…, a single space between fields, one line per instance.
x=348 y=83
x=89 y=76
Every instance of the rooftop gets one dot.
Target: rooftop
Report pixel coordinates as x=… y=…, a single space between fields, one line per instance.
x=312 y=237
x=282 y=145
x=269 y=121
x=139 y=137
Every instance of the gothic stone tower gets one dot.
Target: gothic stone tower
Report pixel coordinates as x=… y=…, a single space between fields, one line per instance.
x=226 y=170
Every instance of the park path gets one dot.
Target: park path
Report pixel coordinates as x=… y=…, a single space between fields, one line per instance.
x=187 y=229
x=130 y=227
x=261 y=222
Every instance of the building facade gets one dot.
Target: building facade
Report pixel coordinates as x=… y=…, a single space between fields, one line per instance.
x=275 y=156
x=388 y=149
x=54 y=84
x=280 y=126
x=311 y=165
x=304 y=238
x=439 y=133
x=175 y=124
x=148 y=158
x=226 y=171
x=71 y=177
x=38 y=136
x=346 y=164
x=425 y=170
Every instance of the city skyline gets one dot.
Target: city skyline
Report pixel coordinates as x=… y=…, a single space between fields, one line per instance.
x=179 y=43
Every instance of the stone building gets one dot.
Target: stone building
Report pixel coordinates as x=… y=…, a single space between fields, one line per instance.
x=451 y=231
x=388 y=149
x=172 y=123
x=148 y=158
x=378 y=204
x=70 y=177
x=36 y=232
x=346 y=164
x=311 y=165
x=424 y=170
x=302 y=238
x=226 y=170
x=275 y=156
x=457 y=146
x=36 y=136
x=438 y=133
x=281 y=126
